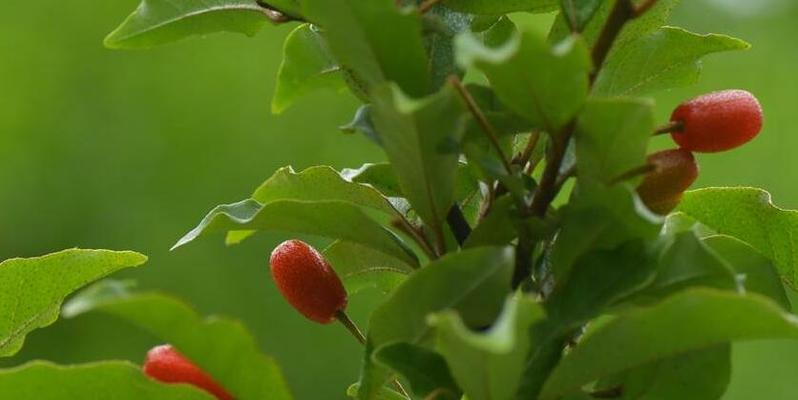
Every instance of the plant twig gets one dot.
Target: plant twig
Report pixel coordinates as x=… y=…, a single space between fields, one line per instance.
x=632 y=173
x=568 y=174
x=526 y=154
x=427 y=5
x=610 y=393
x=483 y=122
x=622 y=11
x=458 y=223
x=670 y=127
x=643 y=7
x=408 y=228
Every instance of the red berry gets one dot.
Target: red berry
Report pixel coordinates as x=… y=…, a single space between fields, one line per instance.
x=166 y=365
x=674 y=172
x=307 y=281
x=717 y=121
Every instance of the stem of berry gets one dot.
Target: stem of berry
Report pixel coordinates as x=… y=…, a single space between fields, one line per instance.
x=670 y=127
x=632 y=173
x=350 y=325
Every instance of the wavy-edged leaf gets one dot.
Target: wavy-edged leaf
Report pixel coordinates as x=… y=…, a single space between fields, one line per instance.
x=360 y=267
x=33 y=288
x=118 y=380
x=223 y=348
x=665 y=59
x=307 y=66
x=546 y=85
x=494 y=7
x=749 y=215
x=691 y=320
x=421 y=139
x=157 y=22
x=375 y=40
x=488 y=365
x=473 y=282
x=332 y=219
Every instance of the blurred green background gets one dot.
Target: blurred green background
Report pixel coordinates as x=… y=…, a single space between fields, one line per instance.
x=128 y=150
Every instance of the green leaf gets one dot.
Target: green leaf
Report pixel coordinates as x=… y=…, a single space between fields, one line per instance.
x=381 y=176
x=665 y=59
x=441 y=25
x=493 y=7
x=474 y=282
x=383 y=394
x=33 y=288
x=426 y=370
x=498 y=228
x=612 y=137
x=691 y=320
x=421 y=140
x=749 y=215
x=332 y=219
x=157 y=22
x=357 y=36
x=697 y=375
x=118 y=380
x=758 y=273
x=221 y=347
x=360 y=267
x=545 y=85
x=488 y=365
x=579 y=12
x=362 y=123
x=307 y=66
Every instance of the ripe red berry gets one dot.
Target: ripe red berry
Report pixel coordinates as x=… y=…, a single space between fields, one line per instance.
x=674 y=171
x=307 y=281
x=717 y=121
x=166 y=365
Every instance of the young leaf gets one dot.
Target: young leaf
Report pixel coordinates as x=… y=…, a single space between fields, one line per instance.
x=665 y=59
x=612 y=136
x=579 y=12
x=691 y=320
x=493 y=7
x=118 y=380
x=421 y=140
x=426 y=370
x=33 y=288
x=767 y=228
x=221 y=347
x=157 y=22
x=307 y=66
x=333 y=219
x=357 y=35
x=545 y=85
x=360 y=267
x=488 y=365
x=698 y=375
x=474 y=282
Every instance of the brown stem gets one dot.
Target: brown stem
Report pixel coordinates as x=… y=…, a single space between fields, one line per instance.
x=401 y=223
x=632 y=173
x=610 y=393
x=670 y=127
x=568 y=174
x=526 y=154
x=483 y=122
x=621 y=12
x=427 y=5
x=643 y=7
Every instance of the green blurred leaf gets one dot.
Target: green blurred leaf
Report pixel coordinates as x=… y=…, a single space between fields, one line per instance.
x=307 y=66
x=421 y=139
x=691 y=320
x=545 y=85
x=375 y=41
x=494 y=7
x=223 y=348
x=665 y=59
x=118 y=380
x=426 y=370
x=498 y=228
x=157 y=22
x=441 y=26
x=758 y=273
x=33 y=288
x=612 y=137
x=579 y=12
x=474 y=282
x=697 y=375
x=488 y=365
x=749 y=215
x=383 y=394
x=332 y=219
x=360 y=267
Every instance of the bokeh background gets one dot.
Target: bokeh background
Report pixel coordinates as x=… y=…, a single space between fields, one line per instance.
x=128 y=150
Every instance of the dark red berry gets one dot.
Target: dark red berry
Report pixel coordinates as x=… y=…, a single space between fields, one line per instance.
x=717 y=121
x=307 y=281
x=166 y=365
x=674 y=172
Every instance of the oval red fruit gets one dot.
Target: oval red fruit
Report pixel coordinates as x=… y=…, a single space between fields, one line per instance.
x=307 y=281
x=165 y=364
x=674 y=172
x=717 y=121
